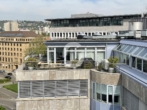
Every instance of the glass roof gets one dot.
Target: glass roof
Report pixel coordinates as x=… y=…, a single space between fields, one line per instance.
x=121 y=47
x=128 y=48
x=137 y=51
x=143 y=53
x=125 y=46
x=131 y=50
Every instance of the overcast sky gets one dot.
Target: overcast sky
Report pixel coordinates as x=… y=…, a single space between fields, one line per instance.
x=43 y=9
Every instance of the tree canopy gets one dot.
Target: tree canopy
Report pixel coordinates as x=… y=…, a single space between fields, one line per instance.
x=37 y=46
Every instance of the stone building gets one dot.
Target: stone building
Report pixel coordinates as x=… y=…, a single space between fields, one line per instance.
x=12 y=48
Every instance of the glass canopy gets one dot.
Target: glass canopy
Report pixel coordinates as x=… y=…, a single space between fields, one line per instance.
x=140 y=52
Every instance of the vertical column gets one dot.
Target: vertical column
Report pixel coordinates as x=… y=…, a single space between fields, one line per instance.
x=65 y=55
x=75 y=53
x=95 y=57
x=48 y=54
x=18 y=89
x=85 y=52
x=55 y=55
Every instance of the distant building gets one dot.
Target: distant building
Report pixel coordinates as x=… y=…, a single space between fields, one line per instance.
x=90 y=24
x=11 y=26
x=84 y=15
x=12 y=48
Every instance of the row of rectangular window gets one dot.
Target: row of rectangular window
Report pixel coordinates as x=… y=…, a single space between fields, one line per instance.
x=12 y=54
x=59 y=88
x=105 y=93
x=15 y=49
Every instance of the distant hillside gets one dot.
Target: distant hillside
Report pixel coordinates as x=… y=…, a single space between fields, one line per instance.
x=32 y=25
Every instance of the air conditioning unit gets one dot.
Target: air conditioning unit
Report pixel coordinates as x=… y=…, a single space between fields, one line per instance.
x=105 y=64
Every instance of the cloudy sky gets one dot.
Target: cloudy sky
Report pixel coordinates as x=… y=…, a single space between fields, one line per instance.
x=43 y=9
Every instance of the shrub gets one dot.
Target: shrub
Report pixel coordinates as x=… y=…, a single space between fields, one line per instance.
x=88 y=65
x=112 y=61
x=2 y=108
x=31 y=62
x=100 y=67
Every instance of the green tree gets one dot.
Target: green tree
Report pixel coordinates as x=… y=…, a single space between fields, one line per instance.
x=37 y=46
x=2 y=108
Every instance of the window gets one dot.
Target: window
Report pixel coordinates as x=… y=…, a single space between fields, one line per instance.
x=104 y=92
x=98 y=92
x=144 y=66
x=139 y=64
x=57 y=88
x=133 y=62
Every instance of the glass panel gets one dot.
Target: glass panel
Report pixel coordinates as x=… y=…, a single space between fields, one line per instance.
x=117 y=47
x=131 y=50
x=143 y=52
x=81 y=48
x=116 y=99
x=101 y=48
x=144 y=66
x=80 y=55
x=91 y=48
x=110 y=90
x=51 y=48
x=133 y=62
x=71 y=48
x=98 y=91
x=127 y=49
x=121 y=47
x=51 y=57
x=90 y=55
x=139 y=64
x=72 y=55
x=146 y=56
x=117 y=90
x=137 y=51
x=100 y=56
x=93 y=90
x=124 y=47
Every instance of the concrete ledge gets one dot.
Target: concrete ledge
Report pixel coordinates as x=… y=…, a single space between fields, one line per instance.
x=28 y=75
x=105 y=77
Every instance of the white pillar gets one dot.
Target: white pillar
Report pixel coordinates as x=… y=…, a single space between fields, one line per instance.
x=95 y=54
x=75 y=53
x=54 y=55
x=48 y=55
x=65 y=55
x=85 y=52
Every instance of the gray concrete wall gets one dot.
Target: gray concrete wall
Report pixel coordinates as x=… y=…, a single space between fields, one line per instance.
x=135 y=88
x=64 y=104
x=105 y=77
x=125 y=26
x=60 y=103
x=28 y=75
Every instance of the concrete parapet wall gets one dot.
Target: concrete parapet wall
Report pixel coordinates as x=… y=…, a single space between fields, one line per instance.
x=29 y=75
x=64 y=104
x=125 y=26
x=105 y=77
x=135 y=88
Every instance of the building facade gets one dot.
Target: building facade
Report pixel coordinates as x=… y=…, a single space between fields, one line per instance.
x=69 y=28
x=11 y=26
x=12 y=48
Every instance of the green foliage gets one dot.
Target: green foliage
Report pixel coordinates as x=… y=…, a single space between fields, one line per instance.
x=88 y=65
x=2 y=108
x=31 y=62
x=100 y=67
x=4 y=80
x=74 y=61
x=37 y=46
x=113 y=61
x=12 y=87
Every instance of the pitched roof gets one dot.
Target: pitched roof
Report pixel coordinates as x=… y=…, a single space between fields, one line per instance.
x=18 y=34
